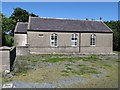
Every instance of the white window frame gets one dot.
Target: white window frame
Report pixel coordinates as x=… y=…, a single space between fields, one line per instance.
x=74 y=40
x=93 y=40
x=53 y=40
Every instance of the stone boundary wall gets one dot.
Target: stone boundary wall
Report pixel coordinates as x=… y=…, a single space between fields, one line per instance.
x=22 y=50
x=7 y=57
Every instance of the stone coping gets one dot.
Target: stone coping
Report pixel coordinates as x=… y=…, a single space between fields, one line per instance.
x=7 y=48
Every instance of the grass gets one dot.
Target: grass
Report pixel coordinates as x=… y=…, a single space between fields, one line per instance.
x=86 y=70
x=107 y=65
x=21 y=67
x=79 y=69
x=0 y=80
x=33 y=59
x=57 y=66
x=72 y=58
x=118 y=52
x=58 y=59
x=91 y=58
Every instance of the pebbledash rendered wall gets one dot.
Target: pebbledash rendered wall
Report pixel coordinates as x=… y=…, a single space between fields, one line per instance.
x=7 y=57
x=104 y=42
x=20 y=41
x=41 y=44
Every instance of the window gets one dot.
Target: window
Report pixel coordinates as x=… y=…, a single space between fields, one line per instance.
x=40 y=35
x=74 y=39
x=93 y=40
x=53 y=39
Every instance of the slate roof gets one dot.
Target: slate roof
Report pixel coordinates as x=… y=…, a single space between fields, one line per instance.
x=62 y=25
x=21 y=27
x=68 y=25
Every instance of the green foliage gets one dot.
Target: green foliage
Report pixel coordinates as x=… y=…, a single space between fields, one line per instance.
x=21 y=15
x=0 y=37
x=115 y=26
x=9 y=23
x=9 y=40
x=116 y=40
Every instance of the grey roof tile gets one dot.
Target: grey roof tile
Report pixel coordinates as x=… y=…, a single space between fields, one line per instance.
x=21 y=27
x=52 y=24
x=61 y=25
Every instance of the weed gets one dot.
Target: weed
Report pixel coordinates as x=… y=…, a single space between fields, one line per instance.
x=91 y=58
x=69 y=68
x=108 y=76
x=65 y=74
x=65 y=71
x=6 y=79
x=107 y=65
x=21 y=67
x=80 y=65
x=83 y=69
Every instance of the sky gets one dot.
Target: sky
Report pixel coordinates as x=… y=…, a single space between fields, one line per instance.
x=74 y=10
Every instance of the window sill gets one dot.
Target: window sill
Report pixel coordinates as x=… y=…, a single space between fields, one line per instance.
x=92 y=45
x=74 y=46
x=53 y=46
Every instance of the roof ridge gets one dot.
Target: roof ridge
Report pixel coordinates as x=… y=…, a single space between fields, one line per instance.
x=66 y=19
x=107 y=26
x=22 y=22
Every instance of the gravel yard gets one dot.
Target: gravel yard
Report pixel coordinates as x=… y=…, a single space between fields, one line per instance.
x=64 y=71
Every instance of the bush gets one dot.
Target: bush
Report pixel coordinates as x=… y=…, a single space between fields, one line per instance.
x=9 y=41
x=116 y=40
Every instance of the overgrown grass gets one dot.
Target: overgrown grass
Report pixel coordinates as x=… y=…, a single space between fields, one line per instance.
x=0 y=80
x=81 y=69
x=118 y=52
x=68 y=66
x=57 y=58
x=87 y=70
x=33 y=59
x=91 y=58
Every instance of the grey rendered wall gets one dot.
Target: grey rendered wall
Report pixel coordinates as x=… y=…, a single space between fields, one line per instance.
x=20 y=39
x=104 y=42
x=0 y=40
x=20 y=43
x=22 y=50
x=7 y=57
x=41 y=44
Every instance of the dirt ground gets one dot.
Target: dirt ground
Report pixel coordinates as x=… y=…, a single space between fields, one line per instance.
x=64 y=71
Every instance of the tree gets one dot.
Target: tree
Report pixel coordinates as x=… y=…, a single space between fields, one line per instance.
x=115 y=26
x=21 y=15
x=33 y=15
x=9 y=23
